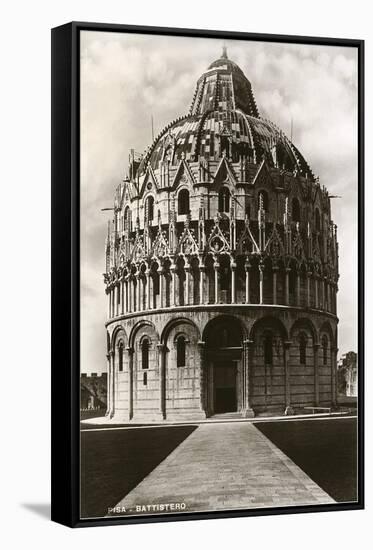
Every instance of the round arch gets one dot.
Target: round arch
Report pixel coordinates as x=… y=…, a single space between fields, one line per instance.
x=227 y=320
x=175 y=323
x=304 y=323
x=268 y=322
x=137 y=327
x=327 y=328
x=118 y=334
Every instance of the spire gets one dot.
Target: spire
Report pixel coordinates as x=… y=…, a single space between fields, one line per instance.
x=236 y=89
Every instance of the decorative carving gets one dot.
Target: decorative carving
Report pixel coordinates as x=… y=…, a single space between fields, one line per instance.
x=274 y=246
x=217 y=241
x=160 y=246
x=187 y=242
x=246 y=243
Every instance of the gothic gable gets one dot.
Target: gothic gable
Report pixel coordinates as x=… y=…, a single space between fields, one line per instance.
x=274 y=246
x=224 y=173
x=183 y=175
x=160 y=246
x=263 y=177
x=187 y=242
x=150 y=181
x=246 y=242
x=217 y=241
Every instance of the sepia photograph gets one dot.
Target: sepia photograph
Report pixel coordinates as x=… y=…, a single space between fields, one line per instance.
x=219 y=307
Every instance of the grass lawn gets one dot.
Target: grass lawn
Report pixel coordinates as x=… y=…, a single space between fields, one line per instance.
x=324 y=449
x=113 y=462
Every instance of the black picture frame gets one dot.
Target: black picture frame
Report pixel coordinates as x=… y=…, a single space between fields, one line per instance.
x=66 y=271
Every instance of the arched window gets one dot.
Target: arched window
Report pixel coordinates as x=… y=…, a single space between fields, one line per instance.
x=302 y=348
x=183 y=202
x=268 y=349
x=149 y=212
x=120 y=356
x=324 y=345
x=295 y=210
x=317 y=219
x=180 y=351
x=263 y=200
x=224 y=200
x=145 y=354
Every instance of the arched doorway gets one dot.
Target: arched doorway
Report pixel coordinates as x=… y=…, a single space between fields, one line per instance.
x=223 y=337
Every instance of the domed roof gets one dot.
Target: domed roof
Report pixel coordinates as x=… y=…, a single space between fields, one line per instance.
x=223 y=111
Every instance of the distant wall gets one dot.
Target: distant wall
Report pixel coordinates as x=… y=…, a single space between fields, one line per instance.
x=93 y=391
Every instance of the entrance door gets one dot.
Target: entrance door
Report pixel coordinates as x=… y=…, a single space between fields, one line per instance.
x=225 y=387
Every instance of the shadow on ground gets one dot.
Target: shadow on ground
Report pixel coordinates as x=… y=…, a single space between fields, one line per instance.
x=324 y=449
x=40 y=509
x=113 y=462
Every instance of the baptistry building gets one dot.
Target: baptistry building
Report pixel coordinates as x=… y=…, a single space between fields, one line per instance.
x=221 y=268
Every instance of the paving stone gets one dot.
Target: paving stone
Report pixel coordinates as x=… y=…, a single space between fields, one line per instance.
x=226 y=466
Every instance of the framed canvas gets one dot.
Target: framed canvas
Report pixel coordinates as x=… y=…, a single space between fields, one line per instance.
x=207 y=314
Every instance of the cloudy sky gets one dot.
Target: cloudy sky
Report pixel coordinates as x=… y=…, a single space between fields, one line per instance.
x=126 y=79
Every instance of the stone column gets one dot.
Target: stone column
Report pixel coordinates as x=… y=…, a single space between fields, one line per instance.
x=247 y=282
x=247 y=411
x=298 y=288
x=108 y=382
x=323 y=293
x=162 y=379
x=316 y=348
x=132 y=293
x=201 y=284
x=233 y=282
x=261 y=283
x=135 y=294
x=216 y=271
x=328 y=296
x=187 y=277
x=173 y=286
x=130 y=352
x=147 y=289
x=202 y=376
x=316 y=292
x=129 y=295
x=274 y=284
x=287 y=271
x=126 y=295
x=160 y=273
x=122 y=296
x=112 y=385
x=108 y=303
x=288 y=408
x=309 y=288
x=116 y=301
x=139 y=282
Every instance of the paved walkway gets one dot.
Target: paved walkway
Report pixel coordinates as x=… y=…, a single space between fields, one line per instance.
x=226 y=466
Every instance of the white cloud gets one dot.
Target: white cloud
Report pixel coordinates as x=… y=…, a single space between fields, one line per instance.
x=128 y=78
